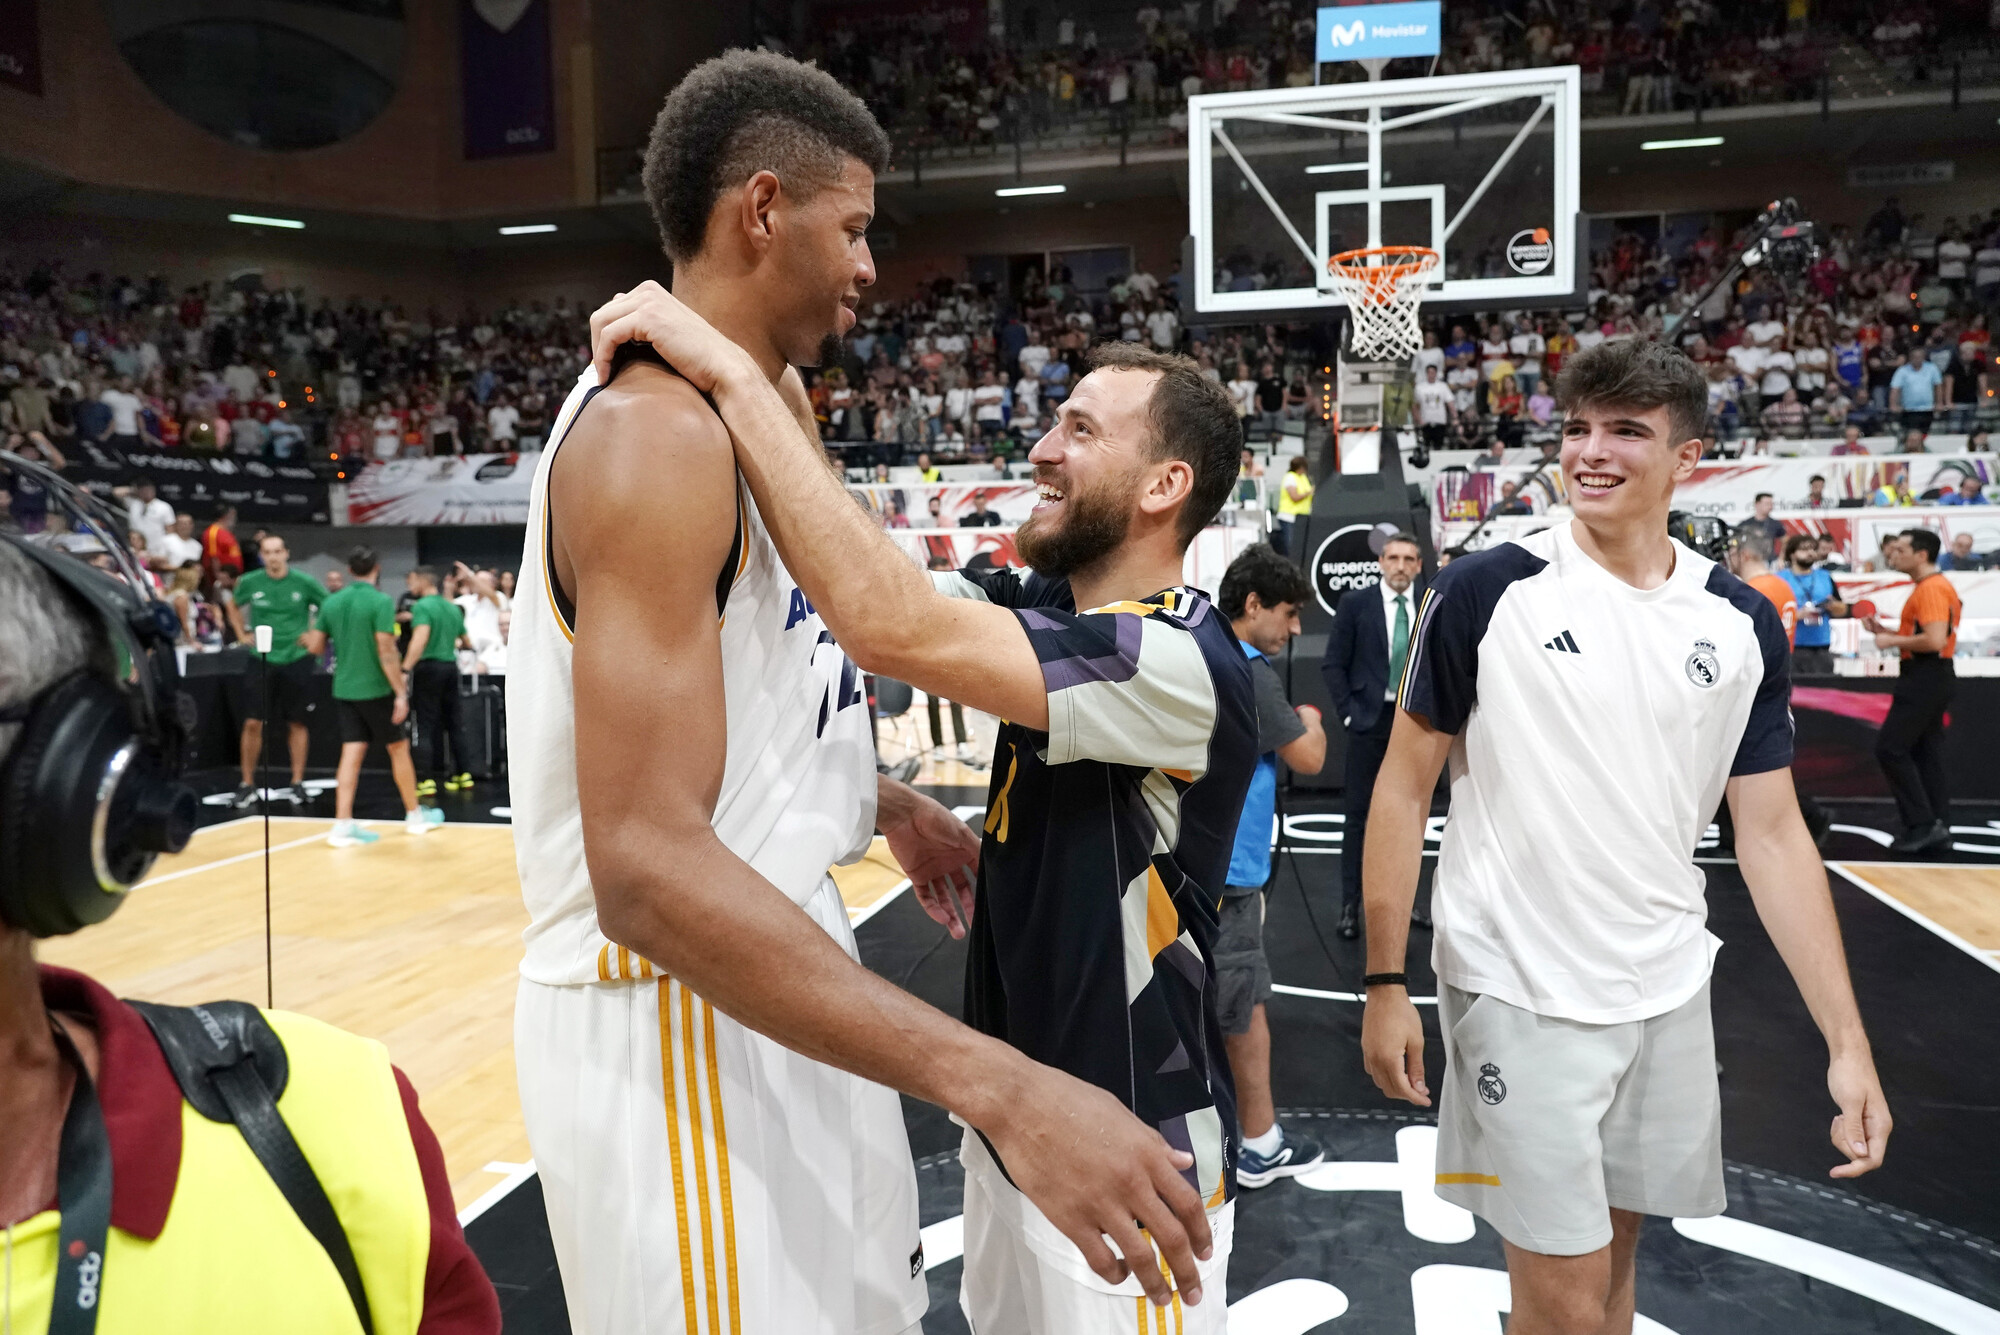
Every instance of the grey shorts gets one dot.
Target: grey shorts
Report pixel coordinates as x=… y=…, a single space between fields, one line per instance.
x=1547 y=1125
x=1242 y=974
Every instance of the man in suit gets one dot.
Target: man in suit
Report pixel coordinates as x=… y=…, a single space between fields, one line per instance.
x=1364 y=661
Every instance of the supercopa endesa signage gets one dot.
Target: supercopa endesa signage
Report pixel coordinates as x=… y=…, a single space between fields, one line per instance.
x=1346 y=560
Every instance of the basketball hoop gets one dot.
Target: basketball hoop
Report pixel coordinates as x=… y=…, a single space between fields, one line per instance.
x=1383 y=287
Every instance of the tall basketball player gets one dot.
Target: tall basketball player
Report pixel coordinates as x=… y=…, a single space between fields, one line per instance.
x=1127 y=749
x=705 y=1069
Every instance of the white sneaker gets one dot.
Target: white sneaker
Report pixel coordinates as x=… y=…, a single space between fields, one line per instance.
x=349 y=834
x=422 y=821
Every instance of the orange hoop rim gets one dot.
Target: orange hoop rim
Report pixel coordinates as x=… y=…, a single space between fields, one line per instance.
x=1352 y=264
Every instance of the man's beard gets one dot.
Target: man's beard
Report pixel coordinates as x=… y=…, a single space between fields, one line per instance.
x=832 y=351
x=1094 y=527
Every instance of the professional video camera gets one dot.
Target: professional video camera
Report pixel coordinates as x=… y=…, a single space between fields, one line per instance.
x=1702 y=533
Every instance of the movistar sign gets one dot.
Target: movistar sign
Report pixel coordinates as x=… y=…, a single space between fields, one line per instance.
x=1366 y=32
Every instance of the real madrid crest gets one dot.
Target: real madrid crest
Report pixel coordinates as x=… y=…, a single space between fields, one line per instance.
x=1491 y=1087
x=1704 y=669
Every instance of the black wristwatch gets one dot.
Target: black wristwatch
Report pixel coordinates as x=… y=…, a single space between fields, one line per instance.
x=1401 y=980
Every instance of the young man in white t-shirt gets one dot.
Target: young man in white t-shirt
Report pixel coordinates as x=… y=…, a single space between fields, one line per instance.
x=1436 y=407
x=1598 y=689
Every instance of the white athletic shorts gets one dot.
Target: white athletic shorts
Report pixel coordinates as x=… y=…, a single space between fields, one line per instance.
x=1547 y=1125
x=1023 y=1277
x=702 y=1179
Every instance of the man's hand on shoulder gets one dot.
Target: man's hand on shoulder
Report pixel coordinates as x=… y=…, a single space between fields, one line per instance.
x=651 y=314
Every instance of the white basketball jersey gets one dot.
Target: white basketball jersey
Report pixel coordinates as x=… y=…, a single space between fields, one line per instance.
x=798 y=781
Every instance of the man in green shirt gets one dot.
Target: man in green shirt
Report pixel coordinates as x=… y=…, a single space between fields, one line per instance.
x=283 y=599
x=437 y=629
x=368 y=698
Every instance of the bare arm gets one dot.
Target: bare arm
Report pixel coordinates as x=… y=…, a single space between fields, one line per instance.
x=878 y=604
x=649 y=767
x=1929 y=639
x=419 y=637
x=1392 y=1037
x=1306 y=754
x=1788 y=885
x=392 y=668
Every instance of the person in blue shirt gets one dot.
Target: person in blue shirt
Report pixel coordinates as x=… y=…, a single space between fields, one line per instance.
x=1971 y=491
x=1913 y=390
x=1819 y=602
x=1260 y=594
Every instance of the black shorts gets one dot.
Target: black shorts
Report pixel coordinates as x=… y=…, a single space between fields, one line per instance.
x=292 y=697
x=368 y=721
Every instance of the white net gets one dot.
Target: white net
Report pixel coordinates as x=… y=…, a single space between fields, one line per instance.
x=1384 y=289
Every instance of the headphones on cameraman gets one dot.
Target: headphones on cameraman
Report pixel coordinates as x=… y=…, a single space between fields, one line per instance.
x=91 y=792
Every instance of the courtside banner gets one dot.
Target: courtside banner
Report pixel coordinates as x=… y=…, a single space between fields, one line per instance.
x=453 y=489
x=1728 y=488
x=1377 y=32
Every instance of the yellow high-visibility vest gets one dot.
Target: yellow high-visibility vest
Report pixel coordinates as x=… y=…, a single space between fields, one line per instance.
x=233 y=1256
x=1289 y=508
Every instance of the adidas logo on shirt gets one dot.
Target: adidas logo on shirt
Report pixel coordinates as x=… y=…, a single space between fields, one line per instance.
x=1564 y=643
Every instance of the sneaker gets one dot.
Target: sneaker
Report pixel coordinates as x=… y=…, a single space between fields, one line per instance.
x=349 y=834
x=422 y=820
x=246 y=797
x=458 y=783
x=292 y=793
x=1294 y=1155
x=1923 y=839
x=429 y=787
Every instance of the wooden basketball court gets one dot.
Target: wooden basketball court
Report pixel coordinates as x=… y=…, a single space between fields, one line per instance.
x=415 y=942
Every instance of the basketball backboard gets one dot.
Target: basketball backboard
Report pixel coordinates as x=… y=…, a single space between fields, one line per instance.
x=1482 y=168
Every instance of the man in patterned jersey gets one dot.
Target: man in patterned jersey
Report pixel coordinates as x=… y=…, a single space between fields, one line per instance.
x=1598 y=689
x=1128 y=738
x=702 y=1057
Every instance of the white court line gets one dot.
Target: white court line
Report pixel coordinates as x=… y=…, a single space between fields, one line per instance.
x=516 y=1174
x=1919 y=1298
x=855 y=917
x=257 y=852
x=1318 y=995
x=1934 y=928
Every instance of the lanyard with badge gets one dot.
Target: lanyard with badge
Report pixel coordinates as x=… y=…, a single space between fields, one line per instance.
x=83 y=1195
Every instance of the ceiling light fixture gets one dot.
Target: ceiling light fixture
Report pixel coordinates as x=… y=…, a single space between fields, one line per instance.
x=1706 y=141
x=1323 y=168
x=256 y=220
x=1012 y=191
x=526 y=229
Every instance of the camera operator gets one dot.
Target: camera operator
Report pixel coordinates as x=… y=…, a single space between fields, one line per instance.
x=136 y=1171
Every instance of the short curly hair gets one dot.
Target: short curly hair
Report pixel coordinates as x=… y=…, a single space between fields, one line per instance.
x=1259 y=569
x=741 y=113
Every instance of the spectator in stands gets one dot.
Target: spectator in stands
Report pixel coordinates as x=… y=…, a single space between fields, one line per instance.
x=1850 y=441
x=27 y=498
x=127 y=432
x=483 y=604
x=1970 y=491
x=1960 y=555
x=1913 y=391
x=1768 y=531
x=1896 y=490
x=1294 y=502
x=980 y=517
x=178 y=546
x=145 y=511
x=1815 y=493
x=1511 y=501
x=1435 y=405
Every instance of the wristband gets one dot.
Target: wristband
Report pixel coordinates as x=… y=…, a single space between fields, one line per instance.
x=1401 y=980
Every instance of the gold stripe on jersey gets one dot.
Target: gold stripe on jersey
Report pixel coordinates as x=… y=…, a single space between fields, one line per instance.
x=700 y=1156
x=1163 y=921
x=668 y=1075
x=722 y=1167
x=998 y=818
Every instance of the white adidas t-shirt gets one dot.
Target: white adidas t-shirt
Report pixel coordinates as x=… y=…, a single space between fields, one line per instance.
x=1596 y=727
